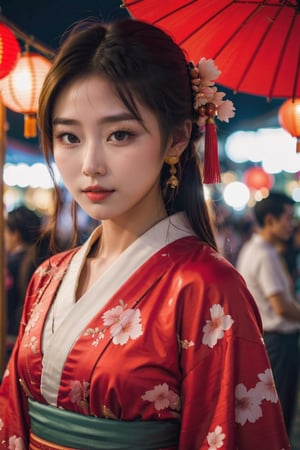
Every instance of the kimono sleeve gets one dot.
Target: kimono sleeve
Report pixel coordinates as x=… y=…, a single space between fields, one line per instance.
x=14 y=421
x=229 y=398
x=14 y=418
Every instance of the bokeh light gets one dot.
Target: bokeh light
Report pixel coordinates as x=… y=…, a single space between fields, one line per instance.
x=236 y=195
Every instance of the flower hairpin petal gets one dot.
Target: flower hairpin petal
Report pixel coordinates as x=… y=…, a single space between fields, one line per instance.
x=209 y=104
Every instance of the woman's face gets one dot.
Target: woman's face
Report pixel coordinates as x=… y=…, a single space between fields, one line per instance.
x=108 y=161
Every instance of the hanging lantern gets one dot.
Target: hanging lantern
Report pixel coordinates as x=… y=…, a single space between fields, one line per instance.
x=289 y=118
x=256 y=178
x=20 y=90
x=9 y=50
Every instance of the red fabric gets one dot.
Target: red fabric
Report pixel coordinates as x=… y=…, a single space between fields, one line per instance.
x=239 y=36
x=9 y=50
x=197 y=373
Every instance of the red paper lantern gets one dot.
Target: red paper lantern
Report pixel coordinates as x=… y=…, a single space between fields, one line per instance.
x=20 y=90
x=256 y=178
x=289 y=118
x=9 y=50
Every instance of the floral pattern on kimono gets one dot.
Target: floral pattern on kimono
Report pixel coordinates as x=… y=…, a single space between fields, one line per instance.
x=179 y=340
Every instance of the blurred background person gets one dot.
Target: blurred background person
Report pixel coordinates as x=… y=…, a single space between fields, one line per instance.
x=262 y=265
x=290 y=252
x=24 y=252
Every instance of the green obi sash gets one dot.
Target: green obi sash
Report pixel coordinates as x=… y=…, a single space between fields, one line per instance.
x=74 y=430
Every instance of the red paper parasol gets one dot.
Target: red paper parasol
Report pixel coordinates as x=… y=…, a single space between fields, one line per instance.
x=256 y=44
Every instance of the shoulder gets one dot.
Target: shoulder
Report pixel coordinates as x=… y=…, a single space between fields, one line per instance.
x=59 y=258
x=205 y=280
x=257 y=255
x=52 y=267
x=201 y=262
x=49 y=273
x=257 y=244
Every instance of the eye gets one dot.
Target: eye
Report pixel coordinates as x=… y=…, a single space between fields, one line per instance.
x=68 y=138
x=120 y=135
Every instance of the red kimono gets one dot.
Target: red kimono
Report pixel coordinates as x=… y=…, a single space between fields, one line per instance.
x=174 y=336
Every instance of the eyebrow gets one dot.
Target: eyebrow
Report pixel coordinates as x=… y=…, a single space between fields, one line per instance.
x=105 y=120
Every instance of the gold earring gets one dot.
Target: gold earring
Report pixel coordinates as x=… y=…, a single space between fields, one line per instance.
x=173 y=181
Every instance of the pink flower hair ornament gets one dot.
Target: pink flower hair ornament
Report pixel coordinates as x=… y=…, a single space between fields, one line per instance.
x=209 y=103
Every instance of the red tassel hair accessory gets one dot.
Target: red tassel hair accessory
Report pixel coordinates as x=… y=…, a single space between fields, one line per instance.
x=209 y=104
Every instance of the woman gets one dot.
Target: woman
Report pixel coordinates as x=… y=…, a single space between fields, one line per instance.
x=144 y=337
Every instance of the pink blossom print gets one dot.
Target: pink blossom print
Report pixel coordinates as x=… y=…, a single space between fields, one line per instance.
x=124 y=323
x=32 y=344
x=266 y=386
x=112 y=316
x=214 y=328
x=52 y=270
x=174 y=401
x=216 y=438
x=96 y=334
x=185 y=344
x=247 y=405
x=34 y=318
x=1 y=424
x=79 y=391
x=16 y=443
x=162 y=397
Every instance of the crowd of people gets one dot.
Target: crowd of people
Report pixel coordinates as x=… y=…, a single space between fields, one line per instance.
x=263 y=263
x=265 y=248
x=144 y=336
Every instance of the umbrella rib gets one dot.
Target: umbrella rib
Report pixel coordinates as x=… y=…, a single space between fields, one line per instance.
x=124 y=4
x=173 y=11
x=133 y=2
x=271 y=22
x=205 y=23
x=280 y=57
x=253 y=13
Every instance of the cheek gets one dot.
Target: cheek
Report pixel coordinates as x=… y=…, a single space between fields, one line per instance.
x=285 y=229
x=287 y=224
x=143 y=171
x=66 y=163
x=60 y=157
x=148 y=162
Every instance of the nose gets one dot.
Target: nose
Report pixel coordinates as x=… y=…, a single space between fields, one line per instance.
x=93 y=160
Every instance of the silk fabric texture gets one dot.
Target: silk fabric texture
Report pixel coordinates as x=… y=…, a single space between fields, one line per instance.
x=179 y=339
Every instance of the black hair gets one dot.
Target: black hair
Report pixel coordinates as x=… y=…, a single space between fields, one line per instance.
x=26 y=222
x=143 y=64
x=273 y=204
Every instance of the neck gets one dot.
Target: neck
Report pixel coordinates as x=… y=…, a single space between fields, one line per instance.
x=116 y=237
x=269 y=237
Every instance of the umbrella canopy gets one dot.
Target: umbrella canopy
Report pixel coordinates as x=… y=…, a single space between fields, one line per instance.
x=256 y=44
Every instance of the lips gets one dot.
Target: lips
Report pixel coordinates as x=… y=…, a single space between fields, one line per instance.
x=97 y=193
x=95 y=189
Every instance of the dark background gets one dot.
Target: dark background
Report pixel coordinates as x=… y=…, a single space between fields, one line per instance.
x=47 y=20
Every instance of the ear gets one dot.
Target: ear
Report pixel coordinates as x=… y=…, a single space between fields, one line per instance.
x=179 y=139
x=269 y=219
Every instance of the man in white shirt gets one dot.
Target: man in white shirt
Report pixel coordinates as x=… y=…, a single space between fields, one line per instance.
x=271 y=286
